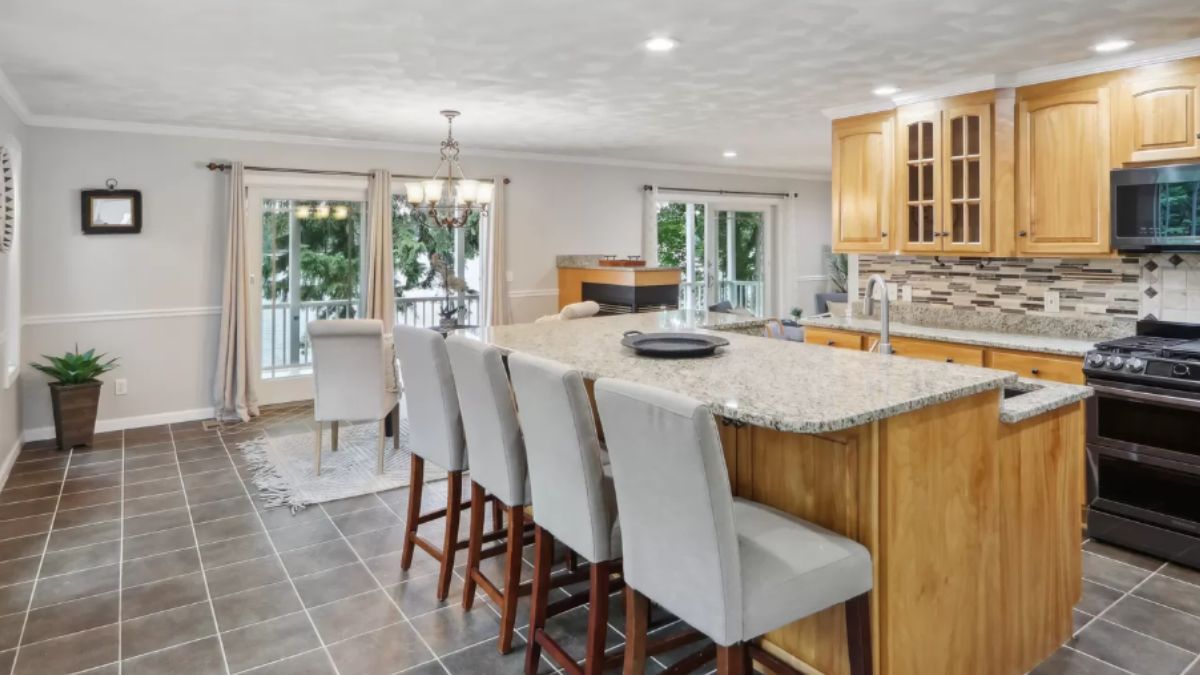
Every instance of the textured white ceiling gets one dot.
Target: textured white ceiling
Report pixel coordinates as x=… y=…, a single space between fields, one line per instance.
x=552 y=76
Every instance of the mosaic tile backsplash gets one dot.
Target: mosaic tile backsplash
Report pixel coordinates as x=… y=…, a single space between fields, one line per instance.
x=1108 y=287
x=1169 y=288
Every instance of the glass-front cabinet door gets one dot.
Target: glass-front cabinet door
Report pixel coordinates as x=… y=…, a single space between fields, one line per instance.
x=919 y=173
x=967 y=179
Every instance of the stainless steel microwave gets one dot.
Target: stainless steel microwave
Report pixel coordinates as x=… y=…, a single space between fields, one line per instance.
x=1156 y=208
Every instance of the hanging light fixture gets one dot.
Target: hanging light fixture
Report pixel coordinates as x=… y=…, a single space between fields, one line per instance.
x=447 y=200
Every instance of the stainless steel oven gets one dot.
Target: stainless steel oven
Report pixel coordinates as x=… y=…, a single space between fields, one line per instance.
x=1156 y=208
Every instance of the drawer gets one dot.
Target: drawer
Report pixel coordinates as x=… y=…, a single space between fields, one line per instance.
x=1039 y=366
x=833 y=338
x=945 y=352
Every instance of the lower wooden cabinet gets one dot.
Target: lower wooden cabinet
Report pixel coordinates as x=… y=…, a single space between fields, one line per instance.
x=1038 y=366
x=945 y=352
x=833 y=338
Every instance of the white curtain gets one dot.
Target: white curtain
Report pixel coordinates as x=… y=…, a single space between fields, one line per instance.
x=235 y=389
x=650 y=225
x=496 y=310
x=379 y=302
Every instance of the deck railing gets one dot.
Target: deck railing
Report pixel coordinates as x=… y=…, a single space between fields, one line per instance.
x=747 y=294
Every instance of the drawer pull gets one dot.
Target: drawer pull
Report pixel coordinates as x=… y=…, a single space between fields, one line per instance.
x=949 y=360
x=1036 y=371
x=1023 y=233
x=829 y=342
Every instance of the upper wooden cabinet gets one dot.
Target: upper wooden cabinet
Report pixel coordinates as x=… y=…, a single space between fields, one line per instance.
x=863 y=153
x=1063 y=162
x=1158 y=116
x=918 y=173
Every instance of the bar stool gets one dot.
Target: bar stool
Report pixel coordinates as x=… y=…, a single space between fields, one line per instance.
x=573 y=502
x=436 y=435
x=497 y=468
x=732 y=568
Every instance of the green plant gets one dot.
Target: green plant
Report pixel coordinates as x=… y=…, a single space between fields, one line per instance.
x=839 y=266
x=797 y=313
x=76 y=368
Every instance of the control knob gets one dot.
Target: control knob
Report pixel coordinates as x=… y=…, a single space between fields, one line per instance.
x=1135 y=365
x=1095 y=360
x=1115 y=362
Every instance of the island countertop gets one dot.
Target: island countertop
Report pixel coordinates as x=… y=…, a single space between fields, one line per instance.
x=1045 y=344
x=778 y=384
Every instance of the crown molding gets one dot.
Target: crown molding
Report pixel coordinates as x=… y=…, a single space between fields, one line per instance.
x=1060 y=71
x=90 y=124
x=9 y=94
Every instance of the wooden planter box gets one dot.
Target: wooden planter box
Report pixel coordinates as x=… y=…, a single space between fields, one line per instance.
x=74 y=413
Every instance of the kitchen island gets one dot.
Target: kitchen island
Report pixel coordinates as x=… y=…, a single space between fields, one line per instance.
x=972 y=522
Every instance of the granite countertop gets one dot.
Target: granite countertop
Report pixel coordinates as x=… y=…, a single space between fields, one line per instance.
x=1044 y=344
x=778 y=384
x=1043 y=397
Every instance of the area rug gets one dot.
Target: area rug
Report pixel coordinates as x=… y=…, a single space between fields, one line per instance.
x=284 y=463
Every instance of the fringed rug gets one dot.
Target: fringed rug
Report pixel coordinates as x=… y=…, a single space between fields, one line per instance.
x=283 y=465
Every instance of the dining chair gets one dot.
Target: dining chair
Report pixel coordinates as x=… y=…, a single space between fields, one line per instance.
x=350 y=382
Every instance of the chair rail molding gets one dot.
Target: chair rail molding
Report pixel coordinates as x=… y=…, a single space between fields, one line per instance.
x=534 y=293
x=120 y=315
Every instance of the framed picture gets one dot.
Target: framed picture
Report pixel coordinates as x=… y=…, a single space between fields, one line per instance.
x=112 y=211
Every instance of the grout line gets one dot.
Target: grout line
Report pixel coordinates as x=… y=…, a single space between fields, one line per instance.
x=121 y=568
x=1104 y=611
x=196 y=540
x=33 y=589
x=278 y=558
x=1113 y=665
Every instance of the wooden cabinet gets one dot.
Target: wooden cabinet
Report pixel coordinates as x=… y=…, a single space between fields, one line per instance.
x=1063 y=161
x=833 y=338
x=1158 y=115
x=945 y=352
x=918 y=174
x=862 y=183
x=1038 y=366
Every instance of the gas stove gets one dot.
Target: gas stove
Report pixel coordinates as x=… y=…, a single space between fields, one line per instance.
x=1161 y=354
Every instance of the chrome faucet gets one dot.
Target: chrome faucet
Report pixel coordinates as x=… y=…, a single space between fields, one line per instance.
x=885 y=339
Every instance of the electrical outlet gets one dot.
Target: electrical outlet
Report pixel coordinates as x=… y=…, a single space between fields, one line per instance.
x=508 y=276
x=1051 y=301
x=892 y=290
x=906 y=293
x=121 y=387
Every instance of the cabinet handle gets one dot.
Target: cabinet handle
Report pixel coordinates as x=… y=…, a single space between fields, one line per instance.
x=829 y=342
x=1023 y=233
x=949 y=360
x=1035 y=371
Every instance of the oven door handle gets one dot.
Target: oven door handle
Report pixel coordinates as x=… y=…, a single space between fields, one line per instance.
x=1164 y=399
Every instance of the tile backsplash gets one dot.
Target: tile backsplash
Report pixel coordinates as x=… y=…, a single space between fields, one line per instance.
x=1169 y=288
x=1106 y=287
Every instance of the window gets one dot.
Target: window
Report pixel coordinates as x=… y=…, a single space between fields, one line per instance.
x=681 y=244
x=423 y=256
x=10 y=267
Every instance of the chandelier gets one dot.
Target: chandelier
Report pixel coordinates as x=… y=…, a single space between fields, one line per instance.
x=445 y=199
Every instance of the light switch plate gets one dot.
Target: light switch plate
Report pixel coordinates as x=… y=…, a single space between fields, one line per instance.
x=508 y=276
x=892 y=290
x=120 y=387
x=1052 y=301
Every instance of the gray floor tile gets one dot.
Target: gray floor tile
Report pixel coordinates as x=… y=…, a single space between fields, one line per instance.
x=202 y=657
x=166 y=629
x=1124 y=555
x=87 y=515
x=81 y=500
x=164 y=566
x=244 y=576
x=1178 y=628
x=1097 y=598
x=19 y=570
x=159 y=542
x=29 y=508
x=386 y=568
x=85 y=535
x=1191 y=576
x=71 y=617
x=228 y=528
x=418 y=596
x=381 y=542
x=10 y=631
x=76 y=585
x=1129 y=650
x=164 y=471
x=269 y=641
x=355 y=615
x=22 y=547
x=486 y=659
x=214 y=493
x=70 y=653
x=281 y=517
x=154 y=504
x=334 y=584
x=77 y=559
x=452 y=629
x=259 y=604
x=224 y=508
x=300 y=536
x=1111 y=573
x=390 y=649
x=319 y=557
x=235 y=550
x=315 y=662
x=156 y=522
x=367 y=520
x=1069 y=662
x=162 y=595
x=1172 y=593
x=23 y=527
x=153 y=487
x=343 y=506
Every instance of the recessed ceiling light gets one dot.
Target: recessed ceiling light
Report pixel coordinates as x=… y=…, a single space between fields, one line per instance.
x=729 y=154
x=885 y=90
x=660 y=44
x=1111 y=46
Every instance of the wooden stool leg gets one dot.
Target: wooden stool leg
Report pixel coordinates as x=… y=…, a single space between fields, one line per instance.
x=597 y=629
x=416 y=481
x=637 y=620
x=478 y=496
x=450 y=542
x=512 y=577
x=732 y=660
x=543 y=560
x=858 y=634
x=497 y=515
x=572 y=560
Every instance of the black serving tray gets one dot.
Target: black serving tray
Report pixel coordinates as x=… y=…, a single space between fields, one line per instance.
x=672 y=345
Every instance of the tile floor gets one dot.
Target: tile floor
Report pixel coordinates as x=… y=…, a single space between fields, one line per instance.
x=148 y=553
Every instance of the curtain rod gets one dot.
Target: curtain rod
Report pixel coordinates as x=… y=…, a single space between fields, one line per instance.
x=647 y=188
x=214 y=166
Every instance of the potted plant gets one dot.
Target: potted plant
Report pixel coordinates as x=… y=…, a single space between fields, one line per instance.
x=838 y=266
x=75 y=394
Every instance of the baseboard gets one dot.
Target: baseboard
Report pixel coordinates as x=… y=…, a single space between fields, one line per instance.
x=9 y=460
x=117 y=423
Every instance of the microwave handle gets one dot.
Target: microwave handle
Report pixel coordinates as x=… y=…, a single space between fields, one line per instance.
x=1163 y=399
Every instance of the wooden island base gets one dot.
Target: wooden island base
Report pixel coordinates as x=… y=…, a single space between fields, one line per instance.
x=973 y=526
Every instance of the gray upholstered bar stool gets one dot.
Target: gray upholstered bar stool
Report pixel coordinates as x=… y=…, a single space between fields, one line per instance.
x=350 y=379
x=497 y=469
x=435 y=435
x=731 y=568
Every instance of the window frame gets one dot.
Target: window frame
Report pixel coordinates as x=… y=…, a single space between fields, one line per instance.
x=10 y=335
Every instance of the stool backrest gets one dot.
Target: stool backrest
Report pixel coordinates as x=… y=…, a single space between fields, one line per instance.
x=489 y=419
x=566 y=474
x=434 y=420
x=676 y=506
x=348 y=369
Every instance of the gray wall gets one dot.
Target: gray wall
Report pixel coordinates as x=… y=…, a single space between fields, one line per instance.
x=86 y=288
x=11 y=129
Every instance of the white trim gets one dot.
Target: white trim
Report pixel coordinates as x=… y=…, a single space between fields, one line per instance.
x=534 y=293
x=87 y=124
x=1022 y=78
x=118 y=423
x=12 y=97
x=120 y=315
x=6 y=464
x=810 y=277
